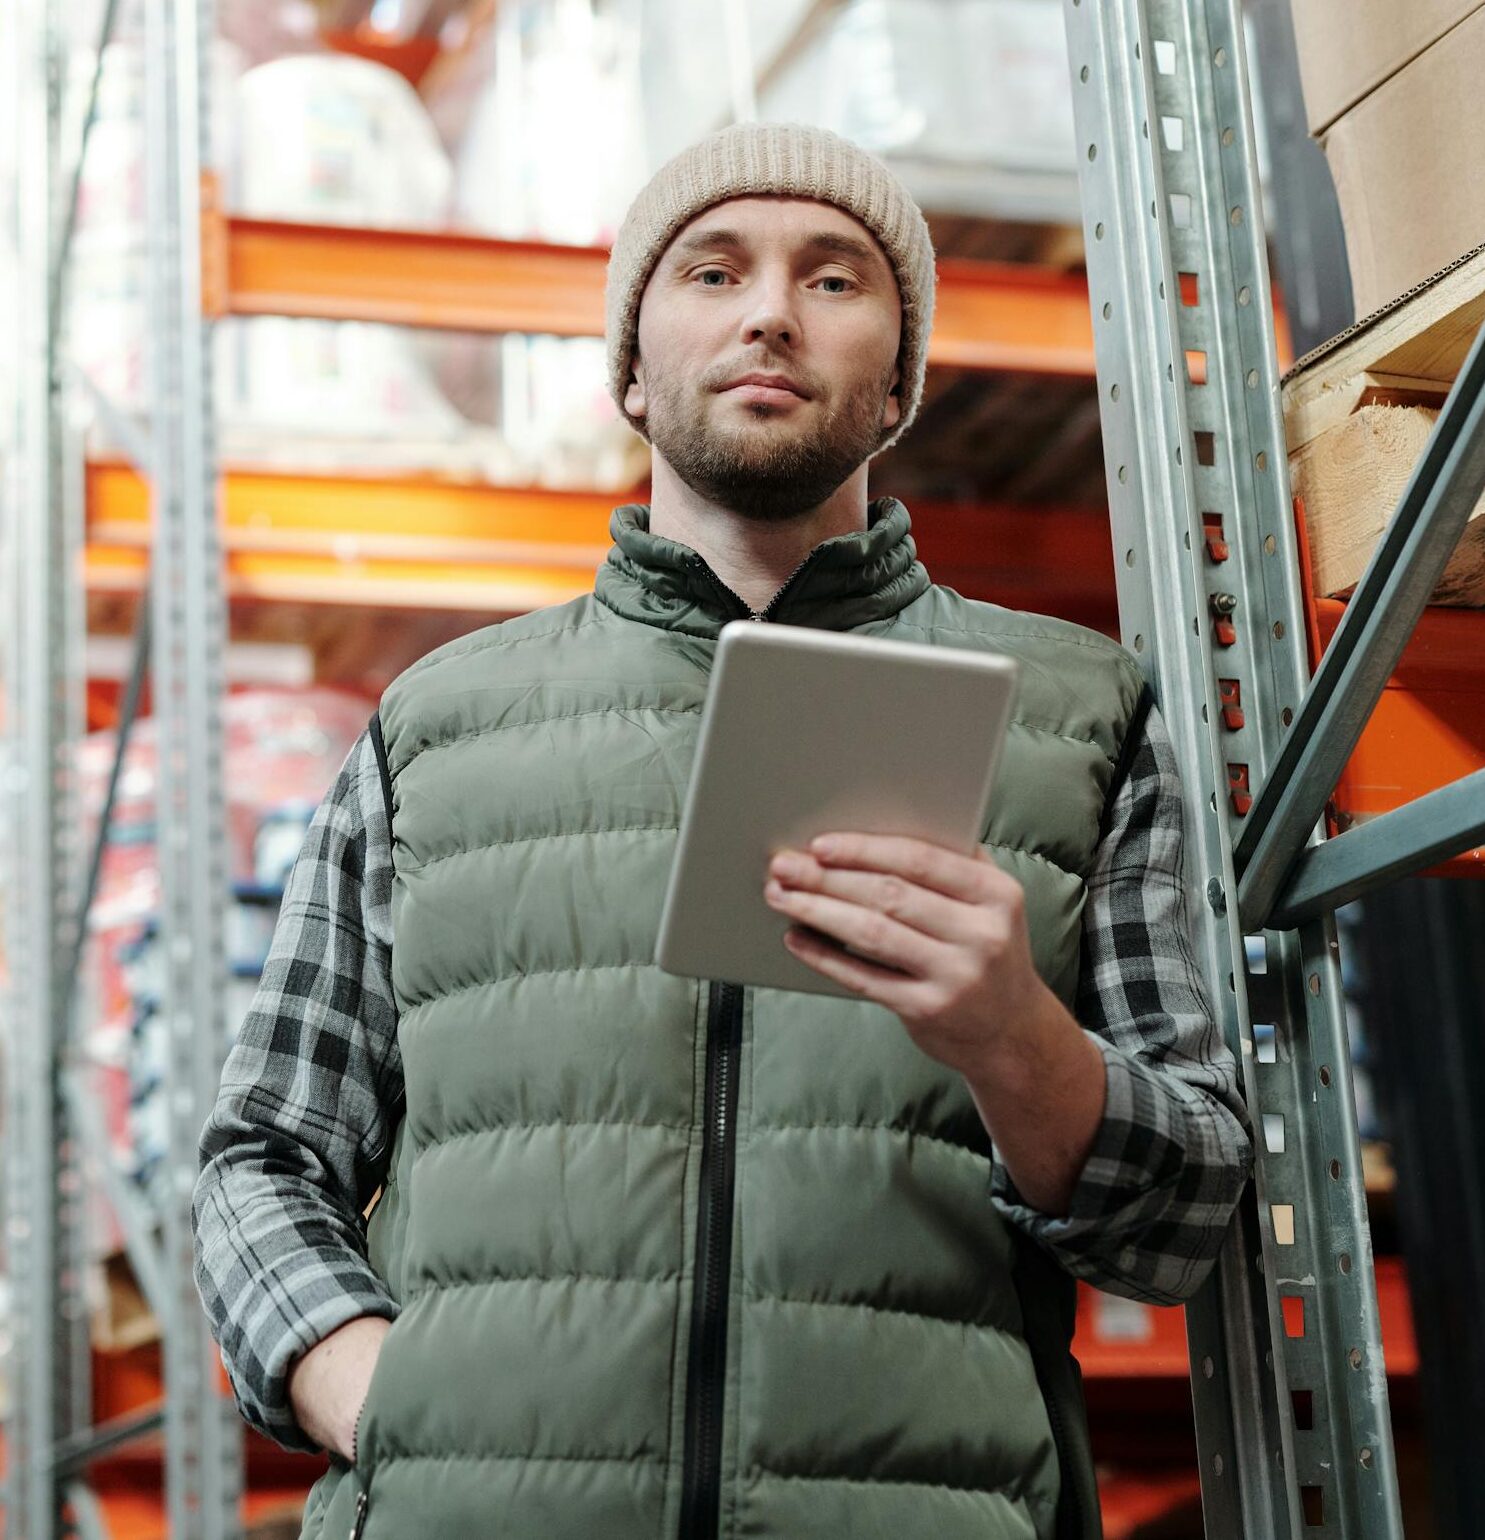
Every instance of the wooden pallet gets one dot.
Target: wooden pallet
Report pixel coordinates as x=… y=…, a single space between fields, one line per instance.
x=1357 y=415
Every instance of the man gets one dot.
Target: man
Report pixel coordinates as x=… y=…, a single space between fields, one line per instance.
x=663 y=1259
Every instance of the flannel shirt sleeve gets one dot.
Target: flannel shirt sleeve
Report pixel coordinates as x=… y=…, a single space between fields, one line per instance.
x=1173 y=1152
x=300 y=1135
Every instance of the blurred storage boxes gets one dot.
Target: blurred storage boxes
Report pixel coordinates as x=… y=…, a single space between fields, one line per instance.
x=283 y=748
x=1392 y=92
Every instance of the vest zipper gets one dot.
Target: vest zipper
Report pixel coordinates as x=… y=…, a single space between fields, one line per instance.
x=706 y=1370
x=358 y=1523
x=767 y=612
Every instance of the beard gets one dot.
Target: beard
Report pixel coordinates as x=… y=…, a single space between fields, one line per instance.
x=764 y=467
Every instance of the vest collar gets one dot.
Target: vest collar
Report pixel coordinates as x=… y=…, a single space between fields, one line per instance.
x=847 y=581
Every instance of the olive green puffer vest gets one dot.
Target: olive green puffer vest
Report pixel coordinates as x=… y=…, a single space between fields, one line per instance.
x=680 y=1261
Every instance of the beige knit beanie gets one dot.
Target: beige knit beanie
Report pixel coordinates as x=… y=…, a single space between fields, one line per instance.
x=798 y=161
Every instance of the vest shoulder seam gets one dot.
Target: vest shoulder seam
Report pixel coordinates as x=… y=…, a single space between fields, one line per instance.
x=520 y=1127
x=1000 y=1490
x=452 y=651
x=888 y=1128
x=1051 y=732
x=395 y=1456
x=531 y=839
x=663 y=1279
x=871 y=1309
x=1102 y=645
x=1031 y=855
x=545 y=721
x=530 y=973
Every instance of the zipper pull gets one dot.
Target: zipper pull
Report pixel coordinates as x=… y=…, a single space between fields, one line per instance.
x=359 y=1523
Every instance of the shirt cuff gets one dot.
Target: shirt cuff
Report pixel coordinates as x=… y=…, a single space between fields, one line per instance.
x=1153 y=1201
x=303 y=1299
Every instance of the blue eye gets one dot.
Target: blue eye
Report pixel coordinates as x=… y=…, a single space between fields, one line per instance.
x=836 y=278
x=710 y=273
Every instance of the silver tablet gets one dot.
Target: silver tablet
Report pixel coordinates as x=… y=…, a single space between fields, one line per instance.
x=806 y=732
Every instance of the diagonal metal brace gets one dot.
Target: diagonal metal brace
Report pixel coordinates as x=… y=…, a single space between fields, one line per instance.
x=1429 y=829
x=1404 y=571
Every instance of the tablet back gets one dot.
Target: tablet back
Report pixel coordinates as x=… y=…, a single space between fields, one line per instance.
x=807 y=732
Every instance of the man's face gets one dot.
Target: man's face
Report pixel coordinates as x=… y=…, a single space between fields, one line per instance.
x=767 y=361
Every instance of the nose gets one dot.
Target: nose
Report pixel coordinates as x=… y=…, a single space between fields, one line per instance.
x=770 y=316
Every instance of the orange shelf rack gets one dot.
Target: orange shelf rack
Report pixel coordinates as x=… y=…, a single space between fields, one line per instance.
x=422 y=542
x=990 y=315
x=1123 y=1339
x=1429 y=726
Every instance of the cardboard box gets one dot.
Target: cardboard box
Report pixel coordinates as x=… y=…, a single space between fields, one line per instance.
x=1347 y=48
x=1406 y=163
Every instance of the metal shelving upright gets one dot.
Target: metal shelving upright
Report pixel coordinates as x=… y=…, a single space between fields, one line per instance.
x=1289 y=1384
x=53 y=1130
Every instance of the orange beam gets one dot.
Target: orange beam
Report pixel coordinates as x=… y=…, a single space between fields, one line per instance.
x=406 y=542
x=1123 y=1339
x=1429 y=726
x=417 y=541
x=990 y=316
x=404 y=277
x=1011 y=317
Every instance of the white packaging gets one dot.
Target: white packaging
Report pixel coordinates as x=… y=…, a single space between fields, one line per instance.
x=960 y=81
x=335 y=379
x=331 y=139
x=554 y=150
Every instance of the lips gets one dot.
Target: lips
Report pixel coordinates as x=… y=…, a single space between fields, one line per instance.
x=773 y=383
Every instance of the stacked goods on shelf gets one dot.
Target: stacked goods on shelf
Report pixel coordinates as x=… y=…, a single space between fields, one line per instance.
x=283 y=748
x=1357 y=416
x=543 y=117
x=1392 y=93
x=971 y=102
x=552 y=149
x=330 y=139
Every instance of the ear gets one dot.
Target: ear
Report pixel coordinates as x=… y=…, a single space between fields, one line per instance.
x=892 y=411
x=634 y=392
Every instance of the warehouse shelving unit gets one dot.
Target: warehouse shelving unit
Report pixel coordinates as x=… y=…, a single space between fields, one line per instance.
x=1292 y=1427
x=1291 y=1405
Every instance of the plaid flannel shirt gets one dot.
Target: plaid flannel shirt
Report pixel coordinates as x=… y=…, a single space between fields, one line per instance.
x=312 y=1091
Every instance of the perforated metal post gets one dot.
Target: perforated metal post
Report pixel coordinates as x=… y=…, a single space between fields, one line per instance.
x=203 y=1434
x=41 y=1234
x=1290 y=1395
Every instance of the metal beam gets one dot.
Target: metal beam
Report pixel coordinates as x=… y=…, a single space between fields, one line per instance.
x=1431 y=829
x=74 y=1455
x=1410 y=559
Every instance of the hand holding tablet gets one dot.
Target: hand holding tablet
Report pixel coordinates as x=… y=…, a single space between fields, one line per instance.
x=810 y=732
